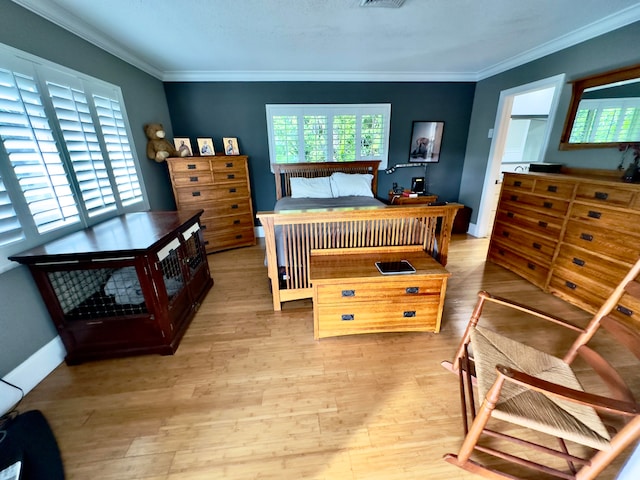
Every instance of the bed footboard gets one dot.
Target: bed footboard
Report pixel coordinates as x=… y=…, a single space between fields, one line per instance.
x=294 y=233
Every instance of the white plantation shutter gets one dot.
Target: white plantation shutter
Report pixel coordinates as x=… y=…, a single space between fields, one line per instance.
x=66 y=160
x=322 y=133
x=607 y=120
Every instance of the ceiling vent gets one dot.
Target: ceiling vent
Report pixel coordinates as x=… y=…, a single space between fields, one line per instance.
x=382 y=3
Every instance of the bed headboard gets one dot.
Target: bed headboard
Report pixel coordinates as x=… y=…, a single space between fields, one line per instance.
x=284 y=171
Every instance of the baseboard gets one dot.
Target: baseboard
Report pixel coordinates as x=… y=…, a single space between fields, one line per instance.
x=473 y=230
x=259 y=232
x=31 y=372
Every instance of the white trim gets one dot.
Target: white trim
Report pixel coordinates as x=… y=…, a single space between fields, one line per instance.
x=473 y=230
x=259 y=231
x=31 y=372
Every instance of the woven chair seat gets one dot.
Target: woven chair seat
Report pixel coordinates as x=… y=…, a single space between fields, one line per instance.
x=528 y=408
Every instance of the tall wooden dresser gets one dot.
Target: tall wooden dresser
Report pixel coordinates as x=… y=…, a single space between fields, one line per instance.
x=572 y=235
x=220 y=186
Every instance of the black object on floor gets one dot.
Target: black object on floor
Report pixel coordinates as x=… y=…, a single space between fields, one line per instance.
x=28 y=438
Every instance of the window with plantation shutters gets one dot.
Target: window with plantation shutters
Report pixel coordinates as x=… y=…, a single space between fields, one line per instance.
x=328 y=133
x=65 y=157
x=607 y=120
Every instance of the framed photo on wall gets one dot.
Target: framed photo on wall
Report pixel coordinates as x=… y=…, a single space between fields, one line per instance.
x=183 y=144
x=205 y=147
x=426 y=139
x=231 y=146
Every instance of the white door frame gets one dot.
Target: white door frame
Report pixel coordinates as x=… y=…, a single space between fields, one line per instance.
x=483 y=225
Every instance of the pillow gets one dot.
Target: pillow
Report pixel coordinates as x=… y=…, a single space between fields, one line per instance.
x=351 y=184
x=319 y=187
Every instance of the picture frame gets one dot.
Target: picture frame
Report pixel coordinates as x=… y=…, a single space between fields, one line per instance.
x=230 y=145
x=426 y=140
x=182 y=144
x=205 y=147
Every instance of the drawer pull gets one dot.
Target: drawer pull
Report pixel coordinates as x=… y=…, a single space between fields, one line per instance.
x=547 y=205
x=347 y=317
x=203 y=226
x=193 y=179
x=537 y=246
x=234 y=206
x=409 y=314
x=624 y=310
x=601 y=195
x=206 y=242
x=236 y=222
x=348 y=293
x=594 y=214
x=517 y=183
x=231 y=176
x=195 y=194
x=531 y=266
x=238 y=237
x=191 y=166
x=571 y=285
x=586 y=236
x=94 y=322
x=505 y=234
x=229 y=164
x=578 y=262
x=510 y=214
x=552 y=188
x=232 y=190
x=501 y=251
x=412 y=290
x=543 y=224
x=514 y=198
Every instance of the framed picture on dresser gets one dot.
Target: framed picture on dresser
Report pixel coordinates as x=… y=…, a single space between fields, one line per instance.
x=231 y=146
x=183 y=144
x=205 y=147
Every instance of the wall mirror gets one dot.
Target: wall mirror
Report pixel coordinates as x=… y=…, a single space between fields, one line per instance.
x=604 y=111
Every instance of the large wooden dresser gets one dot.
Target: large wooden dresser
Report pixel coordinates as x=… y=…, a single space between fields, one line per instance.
x=574 y=235
x=220 y=186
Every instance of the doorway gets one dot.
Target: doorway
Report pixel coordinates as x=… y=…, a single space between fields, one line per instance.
x=520 y=137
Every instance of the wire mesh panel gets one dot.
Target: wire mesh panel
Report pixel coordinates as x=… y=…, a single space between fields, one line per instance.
x=98 y=292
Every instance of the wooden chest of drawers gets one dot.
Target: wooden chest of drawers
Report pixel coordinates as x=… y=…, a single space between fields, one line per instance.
x=350 y=295
x=572 y=235
x=220 y=186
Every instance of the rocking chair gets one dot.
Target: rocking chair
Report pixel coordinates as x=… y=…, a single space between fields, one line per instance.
x=524 y=386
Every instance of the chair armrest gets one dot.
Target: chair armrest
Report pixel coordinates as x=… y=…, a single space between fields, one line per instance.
x=597 y=402
x=531 y=311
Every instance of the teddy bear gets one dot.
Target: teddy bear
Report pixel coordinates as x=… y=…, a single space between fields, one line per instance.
x=158 y=147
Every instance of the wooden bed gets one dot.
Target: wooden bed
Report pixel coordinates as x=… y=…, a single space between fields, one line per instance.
x=355 y=228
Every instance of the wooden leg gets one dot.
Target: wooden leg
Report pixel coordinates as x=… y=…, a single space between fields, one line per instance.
x=473 y=321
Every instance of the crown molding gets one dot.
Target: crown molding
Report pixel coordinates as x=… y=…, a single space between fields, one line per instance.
x=314 y=76
x=72 y=24
x=612 y=22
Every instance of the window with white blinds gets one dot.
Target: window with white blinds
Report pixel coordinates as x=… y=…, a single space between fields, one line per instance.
x=328 y=133
x=607 y=120
x=65 y=156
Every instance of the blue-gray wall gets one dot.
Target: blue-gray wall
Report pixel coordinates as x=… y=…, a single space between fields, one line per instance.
x=613 y=50
x=237 y=109
x=24 y=321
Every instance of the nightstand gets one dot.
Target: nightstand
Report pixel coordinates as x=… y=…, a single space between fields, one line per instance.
x=398 y=199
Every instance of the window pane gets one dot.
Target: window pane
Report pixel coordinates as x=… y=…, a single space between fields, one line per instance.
x=74 y=117
x=315 y=138
x=32 y=152
x=285 y=138
x=344 y=138
x=372 y=135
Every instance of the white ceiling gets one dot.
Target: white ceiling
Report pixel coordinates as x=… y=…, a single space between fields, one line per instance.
x=424 y=40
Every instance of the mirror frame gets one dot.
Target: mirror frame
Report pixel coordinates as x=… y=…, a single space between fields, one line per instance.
x=579 y=86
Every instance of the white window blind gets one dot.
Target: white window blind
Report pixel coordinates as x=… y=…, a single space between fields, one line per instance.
x=65 y=155
x=328 y=133
x=607 y=120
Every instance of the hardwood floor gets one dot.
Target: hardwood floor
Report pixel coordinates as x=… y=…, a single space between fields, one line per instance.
x=250 y=395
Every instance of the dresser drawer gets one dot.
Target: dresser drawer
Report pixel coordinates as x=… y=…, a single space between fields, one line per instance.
x=547 y=225
x=605 y=194
x=605 y=241
x=231 y=171
x=534 y=272
x=554 y=188
x=189 y=166
x=518 y=182
x=375 y=317
x=579 y=290
x=531 y=245
x=229 y=239
x=591 y=265
x=237 y=207
x=604 y=217
x=353 y=292
x=226 y=222
x=545 y=204
x=236 y=191
x=197 y=195
x=193 y=179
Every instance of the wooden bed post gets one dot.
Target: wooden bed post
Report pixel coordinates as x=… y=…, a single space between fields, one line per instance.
x=272 y=266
